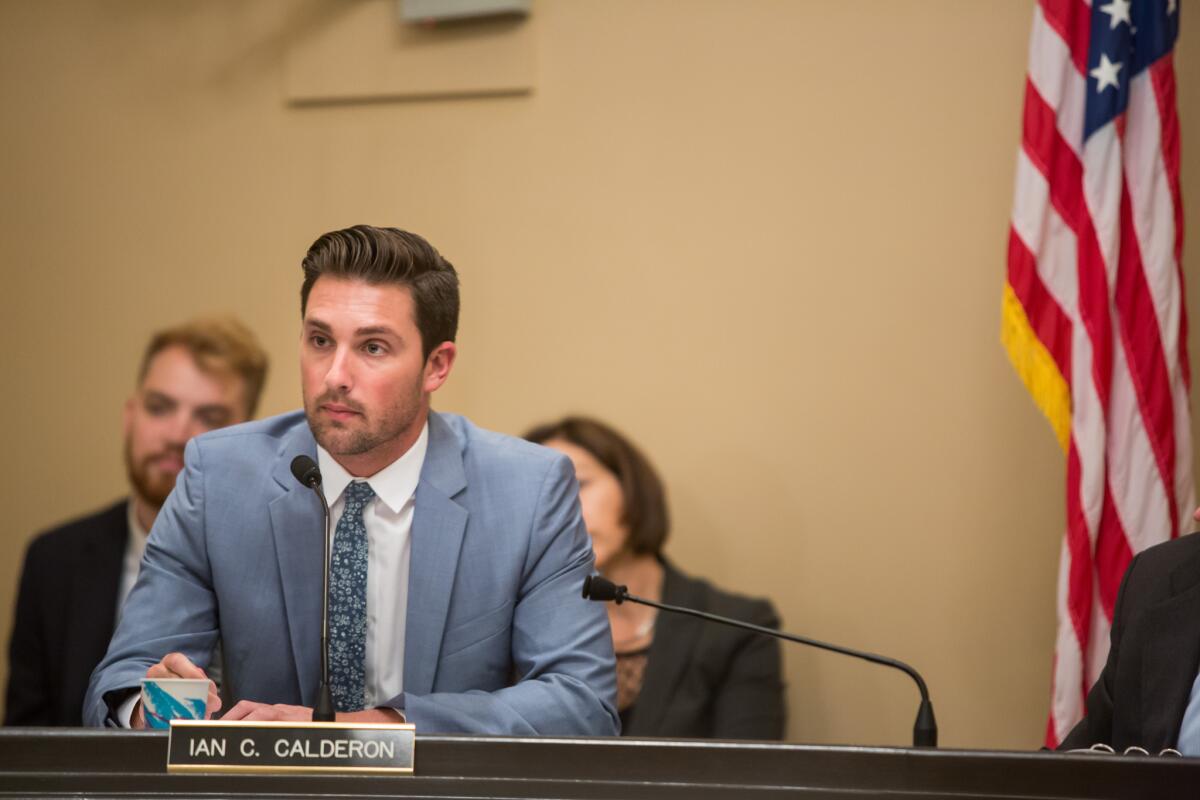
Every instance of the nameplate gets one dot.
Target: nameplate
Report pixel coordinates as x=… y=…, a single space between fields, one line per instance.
x=215 y=746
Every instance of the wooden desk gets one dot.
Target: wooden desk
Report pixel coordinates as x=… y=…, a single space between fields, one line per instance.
x=75 y=762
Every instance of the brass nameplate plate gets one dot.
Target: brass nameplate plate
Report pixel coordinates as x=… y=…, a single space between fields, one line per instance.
x=215 y=746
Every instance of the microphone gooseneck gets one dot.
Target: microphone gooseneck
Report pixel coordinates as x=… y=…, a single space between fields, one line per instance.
x=308 y=474
x=600 y=589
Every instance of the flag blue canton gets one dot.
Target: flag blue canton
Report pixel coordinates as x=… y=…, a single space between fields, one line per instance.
x=1126 y=38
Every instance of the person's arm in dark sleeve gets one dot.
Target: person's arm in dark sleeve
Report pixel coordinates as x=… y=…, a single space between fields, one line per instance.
x=28 y=700
x=749 y=702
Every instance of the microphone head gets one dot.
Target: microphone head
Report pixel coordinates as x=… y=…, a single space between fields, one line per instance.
x=601 y=589
x=306 y=471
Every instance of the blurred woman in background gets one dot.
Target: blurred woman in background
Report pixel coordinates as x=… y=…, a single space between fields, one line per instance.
x=677 y=676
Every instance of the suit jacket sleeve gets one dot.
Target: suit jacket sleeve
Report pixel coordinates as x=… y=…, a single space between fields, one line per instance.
x=172 y=607
x=28 y=701
x=749 y=704
x=1097 y=725
x=561 y=646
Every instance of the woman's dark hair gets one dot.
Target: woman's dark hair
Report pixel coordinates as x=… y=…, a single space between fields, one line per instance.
x=645 y=501
x=390 y=255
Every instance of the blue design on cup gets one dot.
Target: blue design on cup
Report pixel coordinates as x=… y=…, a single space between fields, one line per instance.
x=159 y=707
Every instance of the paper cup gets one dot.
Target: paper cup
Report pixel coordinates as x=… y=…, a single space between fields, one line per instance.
x=165 y=699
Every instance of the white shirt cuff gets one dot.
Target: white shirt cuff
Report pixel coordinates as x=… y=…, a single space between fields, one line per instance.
x=124 y=713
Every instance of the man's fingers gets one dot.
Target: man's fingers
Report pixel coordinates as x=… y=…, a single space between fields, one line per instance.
x=179 y=664
x=159 y=671
x=250 y=710
x=265 y=713
x=240 y=710
x=214 y=701
x=175 y=665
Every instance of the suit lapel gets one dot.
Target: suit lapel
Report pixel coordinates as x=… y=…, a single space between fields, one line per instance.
x=93 y=610
x=1171 y=656
x=675 y=638
x=298 y=527
x=439 y=524
x=99 y=576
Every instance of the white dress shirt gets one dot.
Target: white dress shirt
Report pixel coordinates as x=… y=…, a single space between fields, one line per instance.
x=388 y=519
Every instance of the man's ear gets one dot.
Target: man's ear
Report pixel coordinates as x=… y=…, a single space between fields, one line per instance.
x=438 y=366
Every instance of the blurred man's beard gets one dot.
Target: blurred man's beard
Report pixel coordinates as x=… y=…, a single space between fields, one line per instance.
x=152 y=487
x=340 y=439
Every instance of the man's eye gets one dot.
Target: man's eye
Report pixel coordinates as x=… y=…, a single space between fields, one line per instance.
x=374 y=348
x=318 y=340
x=157 y=409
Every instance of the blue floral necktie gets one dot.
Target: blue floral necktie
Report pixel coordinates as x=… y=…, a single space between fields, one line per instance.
x=348 y=602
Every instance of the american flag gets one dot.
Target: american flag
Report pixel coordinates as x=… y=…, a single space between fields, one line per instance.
x=1093 y=308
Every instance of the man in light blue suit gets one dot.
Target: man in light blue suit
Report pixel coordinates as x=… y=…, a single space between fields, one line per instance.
x=458 y=555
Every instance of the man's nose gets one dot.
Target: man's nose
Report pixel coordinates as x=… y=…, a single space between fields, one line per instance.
x=338 y=377
x=182 y=427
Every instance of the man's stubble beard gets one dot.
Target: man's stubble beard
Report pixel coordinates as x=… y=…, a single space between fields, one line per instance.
x=338 y=439
x=152 y=492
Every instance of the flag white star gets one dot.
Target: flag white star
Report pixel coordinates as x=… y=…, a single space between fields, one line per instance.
x=1172 y=6
x=1105 y=74
x=1118 y=12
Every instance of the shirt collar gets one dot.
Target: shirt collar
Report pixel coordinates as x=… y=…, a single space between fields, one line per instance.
x=394 y=484
x=136 y=544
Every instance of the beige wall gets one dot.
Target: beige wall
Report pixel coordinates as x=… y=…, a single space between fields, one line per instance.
x=765 y=238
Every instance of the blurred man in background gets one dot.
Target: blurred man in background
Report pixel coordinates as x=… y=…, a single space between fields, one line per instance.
x=201 y=375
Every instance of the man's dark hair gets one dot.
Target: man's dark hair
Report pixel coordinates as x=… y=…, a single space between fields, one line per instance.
x=645 y=501
x=390 y=255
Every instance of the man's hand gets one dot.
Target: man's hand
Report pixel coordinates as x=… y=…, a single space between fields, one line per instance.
x=1196 y=515
x=382 y=714
x=250 y=710
x=177 y=665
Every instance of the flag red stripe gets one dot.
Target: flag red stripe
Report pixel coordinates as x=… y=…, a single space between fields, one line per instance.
x=1049 y=322
x=1054 y=158
x=1072 y=20
x=1138 y=322
x=1079 y=596
x=1112 y=555
x=1051 y=739
x=1162 y=78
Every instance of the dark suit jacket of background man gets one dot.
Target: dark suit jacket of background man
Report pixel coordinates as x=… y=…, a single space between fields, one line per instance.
x=66 y=610
x=706 y=680
x=1144 y=689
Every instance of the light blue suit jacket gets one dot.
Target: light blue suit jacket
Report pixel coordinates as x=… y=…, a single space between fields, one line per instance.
x=497 y=637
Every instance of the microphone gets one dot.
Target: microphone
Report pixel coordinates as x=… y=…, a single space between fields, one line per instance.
x=308 y=474
x=306 y=471
x=602 y=589
x=599 y=588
